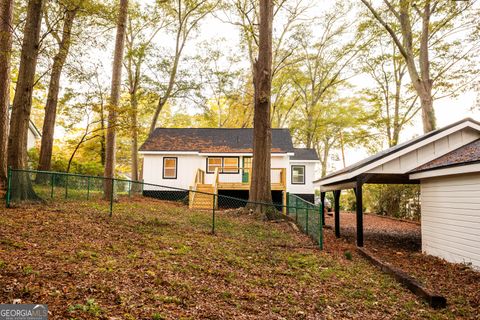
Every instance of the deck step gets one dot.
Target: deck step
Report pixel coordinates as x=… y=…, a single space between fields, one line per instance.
x=202 y=199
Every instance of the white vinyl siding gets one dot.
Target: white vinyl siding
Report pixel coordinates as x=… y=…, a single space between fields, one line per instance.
x=309 y=176
x=451 y=217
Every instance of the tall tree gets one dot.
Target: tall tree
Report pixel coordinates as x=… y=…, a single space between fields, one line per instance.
x=324 y=59
x=6 y=31
x=143 y=26
x=416 y=26
x=187 y=16
x=260 y=189
x=115 y=96
x=395 y=105
x=63 y=41
x=22 y=100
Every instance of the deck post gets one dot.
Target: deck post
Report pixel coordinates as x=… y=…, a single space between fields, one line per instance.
x=336 y=196
x=287 y=202
x=322 y=200
x=359 y=196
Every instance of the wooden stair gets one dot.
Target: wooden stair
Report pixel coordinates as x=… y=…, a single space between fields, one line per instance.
x=203 y=199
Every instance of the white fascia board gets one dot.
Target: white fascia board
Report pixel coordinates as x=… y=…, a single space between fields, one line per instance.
x=469 y=168
x=349 y=175
x=309 y=161
x=238 y=154
x=223 y=154
x=168 y=152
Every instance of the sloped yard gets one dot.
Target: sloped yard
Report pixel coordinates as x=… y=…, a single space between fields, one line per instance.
x=155 y=260
x=399 y=243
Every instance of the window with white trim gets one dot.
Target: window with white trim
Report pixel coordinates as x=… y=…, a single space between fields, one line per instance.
x=298 y=174
x=169 y=168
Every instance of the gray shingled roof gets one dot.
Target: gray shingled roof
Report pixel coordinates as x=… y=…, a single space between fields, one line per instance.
x=304 y=154
x=469 y=153
x=213 y=140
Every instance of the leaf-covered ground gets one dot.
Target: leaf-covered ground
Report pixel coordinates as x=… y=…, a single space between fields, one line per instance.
x=155 y=260
x=399 y=243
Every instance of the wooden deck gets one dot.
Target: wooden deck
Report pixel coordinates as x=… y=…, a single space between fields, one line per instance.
x=200 y=196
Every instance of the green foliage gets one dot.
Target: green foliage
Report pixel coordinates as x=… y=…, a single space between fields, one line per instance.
x=348 y=255
x=60 y=163
x=399 y=201
x=90 y=307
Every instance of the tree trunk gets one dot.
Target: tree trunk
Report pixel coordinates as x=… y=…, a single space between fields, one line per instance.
x=428 y=113
x=6 y=17
x=22 y=101
x=115 y=98
x=102 y=136
x=134 y=137
x=260 y=190
x=44 y=162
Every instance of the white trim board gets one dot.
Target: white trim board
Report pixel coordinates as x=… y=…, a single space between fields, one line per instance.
x=169 y=152
x=303 y=161
x=468 y=168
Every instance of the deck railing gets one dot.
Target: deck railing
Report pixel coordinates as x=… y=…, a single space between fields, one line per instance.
x=244 y=176
x=199 y=178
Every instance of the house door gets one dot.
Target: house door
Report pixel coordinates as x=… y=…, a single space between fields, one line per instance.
x=247 y=167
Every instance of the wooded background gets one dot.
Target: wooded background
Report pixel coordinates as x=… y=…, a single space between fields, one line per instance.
x=344 y=74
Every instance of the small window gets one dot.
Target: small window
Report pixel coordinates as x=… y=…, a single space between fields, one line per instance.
x=247 y=162
x=298 y=174
x=230 y=165
x=169 y=168
x=213 y=163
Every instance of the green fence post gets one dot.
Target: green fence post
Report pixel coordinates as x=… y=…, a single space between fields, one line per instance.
x=320 y=226
x=9 y=187
x=129 y=188
x=52 y=182
x=296 y=210
x=143 y=182
x=111 y=196
x=213 y=215
x=306 y=220
x=66 y=186
x=88 y=188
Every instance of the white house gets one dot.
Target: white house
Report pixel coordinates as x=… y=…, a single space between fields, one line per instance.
x=218 y=160
x=446 y=164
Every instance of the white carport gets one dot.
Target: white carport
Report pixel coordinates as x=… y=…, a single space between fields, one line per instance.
x=394 y=166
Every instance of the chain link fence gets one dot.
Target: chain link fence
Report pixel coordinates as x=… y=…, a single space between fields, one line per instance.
x=43 y=186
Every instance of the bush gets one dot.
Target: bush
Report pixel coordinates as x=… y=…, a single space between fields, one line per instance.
x=60 y=164
x=399 y=201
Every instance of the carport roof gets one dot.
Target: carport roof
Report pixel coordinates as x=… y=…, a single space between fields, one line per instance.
x=350 y=173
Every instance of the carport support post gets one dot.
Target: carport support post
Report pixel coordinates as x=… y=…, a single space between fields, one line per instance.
x=336 y=196
x=358 y=194
x=322 y=200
